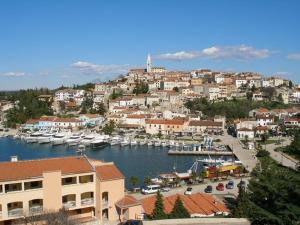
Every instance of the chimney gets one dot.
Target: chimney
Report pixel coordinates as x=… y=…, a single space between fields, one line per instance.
x=14 y=158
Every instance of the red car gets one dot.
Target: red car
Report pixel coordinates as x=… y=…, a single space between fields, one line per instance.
x=220 y=187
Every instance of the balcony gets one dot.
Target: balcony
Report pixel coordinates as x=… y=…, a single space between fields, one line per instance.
x=69 y=201
x=37 y=209
x=17 y=212
x=69 y=204
x=87 y=201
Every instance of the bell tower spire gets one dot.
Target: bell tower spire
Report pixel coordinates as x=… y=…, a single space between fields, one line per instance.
x=149 y=63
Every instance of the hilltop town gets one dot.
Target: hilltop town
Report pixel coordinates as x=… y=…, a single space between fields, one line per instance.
x=250 y=118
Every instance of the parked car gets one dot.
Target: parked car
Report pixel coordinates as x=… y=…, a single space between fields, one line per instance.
x=132 y=222
x=208 y=189
x=165 y=189
x=230 y=184
x=188 y=191
x=150 y=189
x=220 y=187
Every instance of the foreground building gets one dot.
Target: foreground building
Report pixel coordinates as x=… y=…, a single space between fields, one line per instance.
x=88 y=189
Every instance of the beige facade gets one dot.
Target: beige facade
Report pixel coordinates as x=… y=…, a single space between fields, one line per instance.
x=86 y=188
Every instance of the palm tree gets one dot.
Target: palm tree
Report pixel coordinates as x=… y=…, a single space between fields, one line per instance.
x=133 y=181
x=147 y=180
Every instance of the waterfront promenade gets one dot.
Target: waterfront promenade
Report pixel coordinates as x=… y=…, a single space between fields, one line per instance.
x=247 y=157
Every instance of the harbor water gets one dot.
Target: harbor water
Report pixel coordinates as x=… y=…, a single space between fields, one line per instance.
x=138 y=161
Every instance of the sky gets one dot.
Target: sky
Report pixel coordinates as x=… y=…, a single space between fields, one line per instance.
x=65 y=42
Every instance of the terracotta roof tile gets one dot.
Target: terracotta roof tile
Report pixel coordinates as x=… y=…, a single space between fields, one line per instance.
x=199 y=203
x=35 y=168
x=108 y=172
x=127 y=201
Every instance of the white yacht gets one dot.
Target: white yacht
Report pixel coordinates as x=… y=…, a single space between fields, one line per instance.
x=142 y=142
x=99 y=142
x=164 y=144
x=157 y=143
x=74 y=140
x=150 y=143
x=87 y=140
x=45 y=138
x=125 y=142
x=59 y=139
x=133 y=142
x=115 y=140
x=33 y=138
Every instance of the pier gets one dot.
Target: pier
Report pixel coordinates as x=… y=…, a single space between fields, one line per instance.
x=212 y=153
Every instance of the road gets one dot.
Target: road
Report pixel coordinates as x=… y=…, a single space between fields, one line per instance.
x=280 y=157
x=247 y=157
x=200 y=188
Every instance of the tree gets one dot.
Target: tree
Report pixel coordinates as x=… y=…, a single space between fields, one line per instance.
x=159 y=210
x=109 y=127
x=176 y=89
x=147 y=180
x=177 y=181
x=101 y=108
x=194 y=176
x=116 y=94
x=165 y=182
x=141 y=88
x=290 y=84
x=133 y=180
x=264 y=137
x=241 y=209
x=179 y=211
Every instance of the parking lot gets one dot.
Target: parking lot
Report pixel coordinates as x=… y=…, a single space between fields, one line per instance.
x=200 y=188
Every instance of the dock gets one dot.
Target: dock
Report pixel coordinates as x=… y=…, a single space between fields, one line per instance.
x=212 y=153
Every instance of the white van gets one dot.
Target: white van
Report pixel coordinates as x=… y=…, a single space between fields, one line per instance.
x=151 y=189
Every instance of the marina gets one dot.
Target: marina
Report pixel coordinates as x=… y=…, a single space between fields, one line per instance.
x=139 y=160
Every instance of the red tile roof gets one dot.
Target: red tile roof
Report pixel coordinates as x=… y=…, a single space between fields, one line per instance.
x=34 y=168
x=199 y=203
x=164 y=121
x=108 y=172
x=208 y=123
x=127 y=201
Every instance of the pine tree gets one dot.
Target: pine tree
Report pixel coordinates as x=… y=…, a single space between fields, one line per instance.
x=158 y=211
x=179 y=211
x=241 y=209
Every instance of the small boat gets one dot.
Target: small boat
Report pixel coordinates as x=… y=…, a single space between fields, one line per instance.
x=157 y=143
x=115 y=140
x=142 y=142
x=80 y=149
x=150 y=143
x=125 y=142
x=133 y=142
x=164 y=144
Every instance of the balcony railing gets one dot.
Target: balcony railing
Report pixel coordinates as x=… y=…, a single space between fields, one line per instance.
x=104 y=204
x=36 y=209
x=15 y=212
x=87 y=201
x=69 y=204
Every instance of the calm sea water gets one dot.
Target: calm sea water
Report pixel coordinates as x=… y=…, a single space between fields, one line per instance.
x=139 y=161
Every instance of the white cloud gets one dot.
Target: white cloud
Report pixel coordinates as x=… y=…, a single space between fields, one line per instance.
x=294 y=56
x=14 y=74
x=241 y=52
x=91 y=68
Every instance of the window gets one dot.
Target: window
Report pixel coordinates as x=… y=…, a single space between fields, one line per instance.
x=1 y=188
x=69 y=180
x=33 y=185
x=13 y=187
x=86 y=179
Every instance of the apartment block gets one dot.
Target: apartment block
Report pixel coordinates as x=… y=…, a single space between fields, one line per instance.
x=88 y=189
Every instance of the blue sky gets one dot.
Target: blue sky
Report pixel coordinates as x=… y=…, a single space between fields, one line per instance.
x=49 y=43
